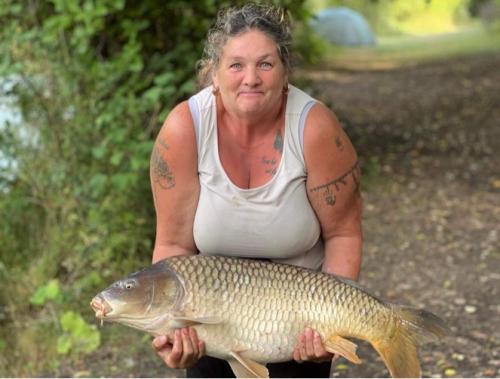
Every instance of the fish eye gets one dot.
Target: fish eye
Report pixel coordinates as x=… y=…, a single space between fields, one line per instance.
x=129 y=284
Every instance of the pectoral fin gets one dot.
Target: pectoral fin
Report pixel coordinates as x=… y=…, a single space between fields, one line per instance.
x=247 y=368
x=343 y=347
x=181 y=321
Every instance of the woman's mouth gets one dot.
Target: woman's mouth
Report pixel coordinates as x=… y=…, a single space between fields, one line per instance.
x=251 y=93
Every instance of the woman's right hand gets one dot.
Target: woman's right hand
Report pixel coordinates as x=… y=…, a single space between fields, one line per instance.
x=183 y=352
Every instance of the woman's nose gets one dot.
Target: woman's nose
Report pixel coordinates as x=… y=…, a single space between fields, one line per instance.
x=252 y=77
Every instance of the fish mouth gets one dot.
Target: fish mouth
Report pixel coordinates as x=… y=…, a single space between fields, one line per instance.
x=101 y=307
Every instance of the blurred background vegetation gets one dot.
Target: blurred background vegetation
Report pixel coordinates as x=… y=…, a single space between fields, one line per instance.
x=89 y=83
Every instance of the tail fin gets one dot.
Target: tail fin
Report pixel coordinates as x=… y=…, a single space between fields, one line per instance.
x=413 y=327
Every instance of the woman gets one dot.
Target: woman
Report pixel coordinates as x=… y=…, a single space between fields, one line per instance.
x=253 y=167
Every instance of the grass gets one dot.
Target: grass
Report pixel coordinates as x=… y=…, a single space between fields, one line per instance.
x=392 y=52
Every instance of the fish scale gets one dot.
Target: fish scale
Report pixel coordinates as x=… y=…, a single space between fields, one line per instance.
x=283 y=290
x=251 y=312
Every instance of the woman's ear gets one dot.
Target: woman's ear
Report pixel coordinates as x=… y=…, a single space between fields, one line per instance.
x=215 y=79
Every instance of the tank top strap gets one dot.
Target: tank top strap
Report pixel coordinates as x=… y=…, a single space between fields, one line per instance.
x=298 y=106
x=204 y=114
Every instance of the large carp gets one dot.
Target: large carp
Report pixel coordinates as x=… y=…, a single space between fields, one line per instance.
x=251 y=312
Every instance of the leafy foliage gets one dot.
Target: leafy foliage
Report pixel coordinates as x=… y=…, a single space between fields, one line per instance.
x=93 y=79
x=51 y=291
x=79 y=336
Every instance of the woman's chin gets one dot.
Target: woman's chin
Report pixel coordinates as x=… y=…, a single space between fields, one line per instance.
x=251 y=110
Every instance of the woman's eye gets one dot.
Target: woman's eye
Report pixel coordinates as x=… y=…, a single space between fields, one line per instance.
x=266 y=65
x=235 y=66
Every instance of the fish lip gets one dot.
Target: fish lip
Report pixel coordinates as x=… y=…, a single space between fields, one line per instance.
x=101 y=307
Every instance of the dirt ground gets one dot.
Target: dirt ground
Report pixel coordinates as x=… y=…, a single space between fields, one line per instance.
x=428 y=138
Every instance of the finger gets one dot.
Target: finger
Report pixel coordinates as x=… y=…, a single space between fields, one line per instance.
x=163 y=352
x=187 y=348
x=193 y=336
x=195 y=342
x=159 y=342
x=302 y=347
x=319 y=349
x=309 y=343
x=201 y=349
x=296 y=355
x=173 y=359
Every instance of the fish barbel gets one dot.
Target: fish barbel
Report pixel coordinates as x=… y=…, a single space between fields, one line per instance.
x=251 y=312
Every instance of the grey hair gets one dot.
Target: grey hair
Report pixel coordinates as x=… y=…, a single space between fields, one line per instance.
x=272 y=20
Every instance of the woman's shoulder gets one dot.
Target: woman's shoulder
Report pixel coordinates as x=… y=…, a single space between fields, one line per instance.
x=321 y=122
x=179 y=123
x=180 y=115
x=325 y=137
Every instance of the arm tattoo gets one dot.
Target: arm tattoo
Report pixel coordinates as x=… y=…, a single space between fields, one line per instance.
x=160 y=171
x=278 y=142
x=335 y=184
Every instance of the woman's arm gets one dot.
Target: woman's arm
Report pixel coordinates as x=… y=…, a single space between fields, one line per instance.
x=333 y=187
x=333 y=179
x=175 y=184
x=176 y=188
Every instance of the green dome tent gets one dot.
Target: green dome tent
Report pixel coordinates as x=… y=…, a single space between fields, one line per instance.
x=343 y=26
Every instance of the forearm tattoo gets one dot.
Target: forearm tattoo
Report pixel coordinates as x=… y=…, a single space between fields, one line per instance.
x=160 y=171
x=335 y=186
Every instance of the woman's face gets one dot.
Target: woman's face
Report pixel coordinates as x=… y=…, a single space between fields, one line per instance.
x=250 y=75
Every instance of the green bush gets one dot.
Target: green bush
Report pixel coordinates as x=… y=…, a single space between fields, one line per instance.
x=94 y=79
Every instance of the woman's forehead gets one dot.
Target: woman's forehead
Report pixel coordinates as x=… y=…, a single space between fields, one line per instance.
x=250 y=43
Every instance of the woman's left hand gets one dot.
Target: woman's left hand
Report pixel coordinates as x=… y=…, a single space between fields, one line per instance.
x=310 y=348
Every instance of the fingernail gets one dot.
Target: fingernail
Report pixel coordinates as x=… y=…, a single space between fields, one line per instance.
x=316 y=334
x=160 y=340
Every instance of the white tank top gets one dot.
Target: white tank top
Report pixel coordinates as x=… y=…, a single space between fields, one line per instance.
x=273 y=221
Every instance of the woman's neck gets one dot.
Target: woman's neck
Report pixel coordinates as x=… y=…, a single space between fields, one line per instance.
x=250 y=130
